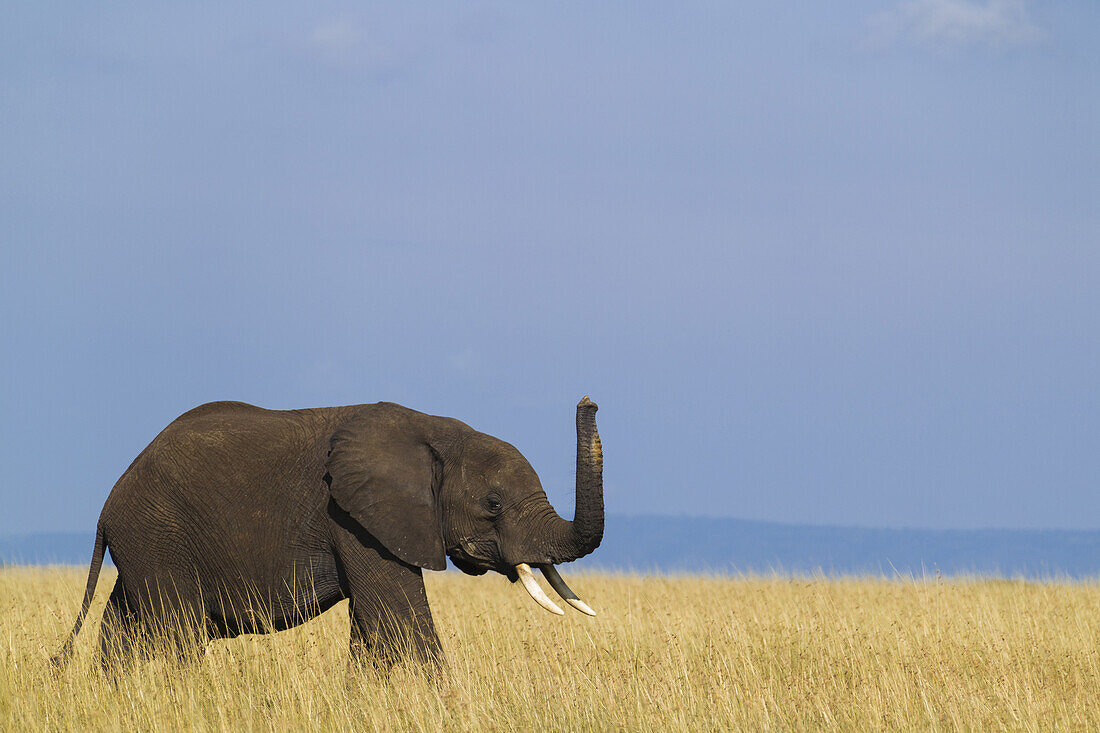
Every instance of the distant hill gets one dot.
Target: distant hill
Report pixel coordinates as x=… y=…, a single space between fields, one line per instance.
x=48 y=548
x=693 y=544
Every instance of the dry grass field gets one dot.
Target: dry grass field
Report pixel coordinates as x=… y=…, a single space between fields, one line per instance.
x=665 y=653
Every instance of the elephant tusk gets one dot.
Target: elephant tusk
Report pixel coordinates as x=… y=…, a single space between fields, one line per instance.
x=532 y=587
x=563 y=590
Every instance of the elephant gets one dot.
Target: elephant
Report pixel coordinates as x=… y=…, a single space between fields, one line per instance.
x=237 y=519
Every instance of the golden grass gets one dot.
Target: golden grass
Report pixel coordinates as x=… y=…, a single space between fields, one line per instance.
x=665 y=653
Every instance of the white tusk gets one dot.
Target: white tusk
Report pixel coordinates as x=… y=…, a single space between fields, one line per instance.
x=558 y=584
x=532 y=586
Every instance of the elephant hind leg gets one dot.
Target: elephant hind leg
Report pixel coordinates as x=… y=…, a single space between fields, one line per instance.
x=141 y=628
x=120 y=634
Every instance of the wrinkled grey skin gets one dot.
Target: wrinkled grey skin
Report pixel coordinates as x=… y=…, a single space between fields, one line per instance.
x=237 y=520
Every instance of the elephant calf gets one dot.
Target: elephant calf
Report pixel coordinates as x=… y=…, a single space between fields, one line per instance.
x=237 y=520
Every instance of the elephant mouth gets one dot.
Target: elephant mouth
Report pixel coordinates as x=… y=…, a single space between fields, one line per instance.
x=471 y=559
x=468 y=557
x=467 y=566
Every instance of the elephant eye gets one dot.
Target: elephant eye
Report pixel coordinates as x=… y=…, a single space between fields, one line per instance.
x=493 y=504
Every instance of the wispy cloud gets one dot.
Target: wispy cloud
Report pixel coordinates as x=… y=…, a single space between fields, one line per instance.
x=955 y=23
x=379 y=47
x=335 y=36
x=467 y=361
x=382 y=47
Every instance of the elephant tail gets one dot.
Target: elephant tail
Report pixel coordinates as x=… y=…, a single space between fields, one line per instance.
x=93 y=577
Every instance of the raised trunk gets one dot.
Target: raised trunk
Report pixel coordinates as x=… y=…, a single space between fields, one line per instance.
x=571 y=540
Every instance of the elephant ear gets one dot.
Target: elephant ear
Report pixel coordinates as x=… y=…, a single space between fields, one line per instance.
x=386 y=476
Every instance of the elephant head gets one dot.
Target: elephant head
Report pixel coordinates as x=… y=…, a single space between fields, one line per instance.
x=429 y=487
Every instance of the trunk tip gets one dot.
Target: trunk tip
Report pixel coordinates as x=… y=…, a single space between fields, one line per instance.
x=585 y=402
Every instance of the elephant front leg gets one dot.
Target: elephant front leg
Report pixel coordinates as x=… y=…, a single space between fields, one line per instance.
x=390 y=617
x=383 y=633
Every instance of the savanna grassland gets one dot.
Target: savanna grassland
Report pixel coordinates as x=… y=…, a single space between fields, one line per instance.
x=665 y=653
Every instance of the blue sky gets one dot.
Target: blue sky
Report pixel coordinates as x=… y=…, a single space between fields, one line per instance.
x=817 y=262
